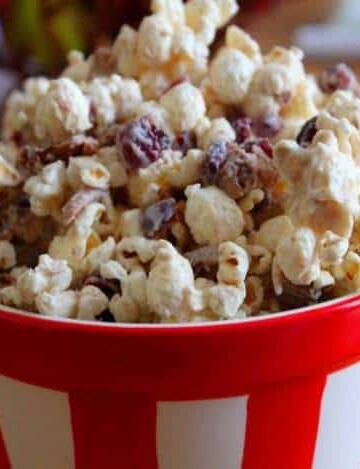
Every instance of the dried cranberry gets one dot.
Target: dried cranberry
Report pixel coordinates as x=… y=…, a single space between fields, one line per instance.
x=268 y=125
x=105 y=316
x=157 y=214
x=243 y=129
x=108 y=287
x=214 y=159
x=184 y=142
x=337 y=77
x=307 y=132
x=140 y=143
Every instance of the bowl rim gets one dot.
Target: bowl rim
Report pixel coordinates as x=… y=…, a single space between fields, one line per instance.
x=41 y=321
x=180 y=362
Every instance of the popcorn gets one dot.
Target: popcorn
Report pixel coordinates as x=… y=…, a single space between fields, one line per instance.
x=92 y=302
x=230 y=75
x=112 y=270
x=272 y=231
x=47 y=190
x=170 y=274
x=132 y=305
x=237 y=38
x=79 y=239
x=224 y=301
x=134 y=251
x=155 y=40
x=218 y=129
x=154 y=84
x=297 y=258
x=211 y=215
x=59 y=305
x=87 y=172
x=9 y=176
x=184 y=105
x=172 y=9
x=155 y=181
x=343 y=104
x=7 y=255
x=324 y=184
x=124 y=49
x=62 y=112
x=108 y=157
x=20 y=109
x=203 y=17
x=233 y=264
x=113 y=98
x=50 y=275
x=275 y=82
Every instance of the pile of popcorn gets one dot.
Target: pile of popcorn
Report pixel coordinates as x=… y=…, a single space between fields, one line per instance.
x=156 y=182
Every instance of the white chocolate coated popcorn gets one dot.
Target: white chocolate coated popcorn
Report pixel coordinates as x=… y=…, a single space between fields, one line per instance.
x=7 y=255
x=170 y=274
x=324 y=183
x=62 y=112
x=164 y=180
x=155 y=40
x=47 y=189
x=211 y=215
x=230 y=75
x=20 y=108
x=185 y=106
x=92 y=302
x=297 y=258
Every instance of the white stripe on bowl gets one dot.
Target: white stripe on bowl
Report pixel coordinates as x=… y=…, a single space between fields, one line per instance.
x=201 y=434
x=338 y=444
x=36 y=426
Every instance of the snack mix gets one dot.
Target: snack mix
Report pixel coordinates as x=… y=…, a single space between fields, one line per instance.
x=154 y=183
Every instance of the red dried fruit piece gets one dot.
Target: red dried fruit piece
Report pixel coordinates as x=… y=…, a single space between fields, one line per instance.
x=268 y=125
x=243 y=171
x=140 y=143
x=307 y=132
x=184 y=142
x=337 y=77
x=243 y=129
x=215 y=157
x=156 y=215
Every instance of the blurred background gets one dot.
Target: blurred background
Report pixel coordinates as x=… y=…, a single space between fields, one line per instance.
x=35 y=35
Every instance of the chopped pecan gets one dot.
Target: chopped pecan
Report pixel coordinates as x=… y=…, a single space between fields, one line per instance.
x=33 y=158
x=78 y=202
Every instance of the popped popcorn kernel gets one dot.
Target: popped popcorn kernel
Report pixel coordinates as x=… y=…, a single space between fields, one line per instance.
x=211 y=215
x=62 y=112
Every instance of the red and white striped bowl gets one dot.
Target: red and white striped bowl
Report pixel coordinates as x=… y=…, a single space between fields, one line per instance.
x=273 y=393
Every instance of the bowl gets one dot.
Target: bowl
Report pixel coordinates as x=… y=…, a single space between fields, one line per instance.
x=277 y=392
